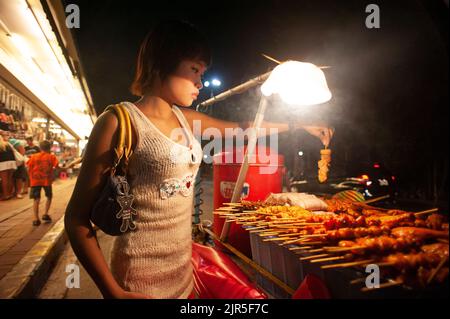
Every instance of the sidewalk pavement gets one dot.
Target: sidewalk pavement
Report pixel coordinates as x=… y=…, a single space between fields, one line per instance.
x=17 y=234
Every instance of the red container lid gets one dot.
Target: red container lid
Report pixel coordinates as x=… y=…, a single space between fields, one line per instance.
x=262 y=156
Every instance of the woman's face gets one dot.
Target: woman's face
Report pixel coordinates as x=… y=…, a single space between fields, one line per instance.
x=183 y=86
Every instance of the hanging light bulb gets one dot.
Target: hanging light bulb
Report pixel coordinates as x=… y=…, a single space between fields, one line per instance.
x=297 y=83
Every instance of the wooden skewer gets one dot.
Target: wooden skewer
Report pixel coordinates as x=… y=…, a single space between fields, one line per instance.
x=286 y=232
x=314 y=257
x=297 y=240
x=216 y=212
x=227 y=209
x=230 y=208
x=285 y=219
x=257 y=229
x=373 y=200
x=315 y=250
x=245 y=218
x=349 y=264
x=255 y=223
x=314 y=236
x=304 y=244
x=280 y=223
x=279 y=62
x=261 y=229
x=442 y=240
x=239 y=218
x=292 y=241
x=322 y=260
x=341 y=249
x=425 y=212
x=385 y=285
x=256 y=212
x=299 y=248
x=276 y=239
x=274 y=233
x=270 y=58
x=293 y=234
x=436 y=270
x=233 y=204
x=314 y=243
x=231 y=220
x=233 y=216
x=299 y=225
x=250 y=223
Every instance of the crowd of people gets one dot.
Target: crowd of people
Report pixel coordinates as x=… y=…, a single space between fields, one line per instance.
x=26 y=168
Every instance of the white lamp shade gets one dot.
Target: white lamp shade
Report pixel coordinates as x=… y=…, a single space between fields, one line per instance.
x=297 y=83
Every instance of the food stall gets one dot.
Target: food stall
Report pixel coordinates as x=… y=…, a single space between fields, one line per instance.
x=341 y=246
x=356 y=250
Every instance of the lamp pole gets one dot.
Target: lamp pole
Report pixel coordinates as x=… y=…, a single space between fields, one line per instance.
x=249 y=152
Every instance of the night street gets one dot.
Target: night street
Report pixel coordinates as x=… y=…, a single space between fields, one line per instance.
x=250 y=151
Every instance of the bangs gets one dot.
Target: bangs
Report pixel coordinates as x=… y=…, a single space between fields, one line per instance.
x=184 y=42
x=163 y=49
x=199 y=51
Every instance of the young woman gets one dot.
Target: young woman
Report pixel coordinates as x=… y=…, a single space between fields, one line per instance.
x=154 y=261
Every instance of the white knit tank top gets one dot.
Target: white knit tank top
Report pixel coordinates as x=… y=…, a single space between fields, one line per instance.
x=155 y=259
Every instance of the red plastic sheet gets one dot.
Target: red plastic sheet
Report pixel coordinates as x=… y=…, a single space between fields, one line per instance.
x=216 y=276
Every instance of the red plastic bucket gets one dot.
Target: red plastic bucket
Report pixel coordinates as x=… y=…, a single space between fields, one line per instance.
x=264 y=176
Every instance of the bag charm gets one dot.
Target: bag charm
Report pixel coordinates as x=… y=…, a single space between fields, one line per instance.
x=125 y=200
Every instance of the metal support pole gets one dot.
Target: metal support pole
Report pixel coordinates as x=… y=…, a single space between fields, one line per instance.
x=244 y=167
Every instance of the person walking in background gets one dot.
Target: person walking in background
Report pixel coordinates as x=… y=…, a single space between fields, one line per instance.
x=20 y=175
x=31 y=149
x=41 y=167
x=7 y=167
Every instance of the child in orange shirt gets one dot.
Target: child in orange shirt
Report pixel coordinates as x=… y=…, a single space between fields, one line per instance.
x=40 y=167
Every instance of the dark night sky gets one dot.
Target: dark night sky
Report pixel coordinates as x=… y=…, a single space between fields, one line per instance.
x=389 y=85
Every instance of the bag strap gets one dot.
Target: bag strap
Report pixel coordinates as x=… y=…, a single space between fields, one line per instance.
x=120 y=146
x=128 y=134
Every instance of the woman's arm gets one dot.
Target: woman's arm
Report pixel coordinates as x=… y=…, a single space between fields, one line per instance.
x=323 y=132
x=97 y=160
x=211 y=122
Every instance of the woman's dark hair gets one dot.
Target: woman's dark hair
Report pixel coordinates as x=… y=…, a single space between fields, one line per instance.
x=163 y=49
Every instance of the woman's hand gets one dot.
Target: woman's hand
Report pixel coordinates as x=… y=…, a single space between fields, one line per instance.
x=323 y=133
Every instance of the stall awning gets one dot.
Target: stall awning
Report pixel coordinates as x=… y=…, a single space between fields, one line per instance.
x=38 y=59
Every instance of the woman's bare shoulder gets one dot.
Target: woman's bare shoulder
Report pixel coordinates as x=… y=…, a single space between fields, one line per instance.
x=105 y=125
x=103 y=136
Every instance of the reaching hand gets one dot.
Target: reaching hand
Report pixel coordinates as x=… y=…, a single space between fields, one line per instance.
x=321 y=132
